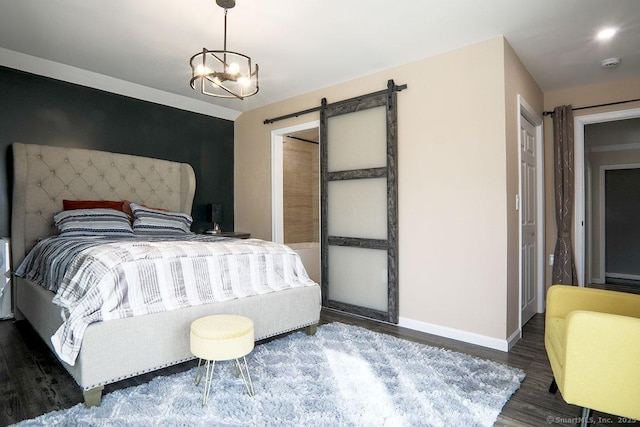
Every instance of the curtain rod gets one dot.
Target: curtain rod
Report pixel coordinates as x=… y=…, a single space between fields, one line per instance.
x=391 y=86
x=550 y=113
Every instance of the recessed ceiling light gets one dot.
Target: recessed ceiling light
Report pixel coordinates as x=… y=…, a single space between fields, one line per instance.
x=606 y=33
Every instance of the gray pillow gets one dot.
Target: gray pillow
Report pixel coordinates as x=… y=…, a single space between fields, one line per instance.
x=93 y=222
x=153 y=221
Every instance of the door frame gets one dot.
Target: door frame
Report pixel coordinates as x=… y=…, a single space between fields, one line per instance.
x=277 y=176
x=579 y=123
x=528 y=113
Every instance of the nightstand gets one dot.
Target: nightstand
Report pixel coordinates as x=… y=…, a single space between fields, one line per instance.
x=235 y=234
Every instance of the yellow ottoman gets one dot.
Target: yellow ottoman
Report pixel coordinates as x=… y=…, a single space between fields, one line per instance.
x=221 y=337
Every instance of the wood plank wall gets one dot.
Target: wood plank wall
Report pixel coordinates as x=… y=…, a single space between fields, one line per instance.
x=301 y=191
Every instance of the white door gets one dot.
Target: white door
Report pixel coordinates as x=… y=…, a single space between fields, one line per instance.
x=528 y=230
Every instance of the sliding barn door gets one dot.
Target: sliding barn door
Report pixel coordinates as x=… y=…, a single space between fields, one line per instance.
x=358 y=146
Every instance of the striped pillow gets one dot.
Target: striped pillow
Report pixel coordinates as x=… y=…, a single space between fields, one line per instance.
x=153 y=221
x=93 y=222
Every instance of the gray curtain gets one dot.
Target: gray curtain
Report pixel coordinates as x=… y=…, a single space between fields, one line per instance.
x=564 y=271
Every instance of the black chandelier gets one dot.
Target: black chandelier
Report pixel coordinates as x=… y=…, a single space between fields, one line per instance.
x=223 y=73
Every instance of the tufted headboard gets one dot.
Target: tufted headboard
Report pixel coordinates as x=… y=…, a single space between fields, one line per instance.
x=45 y=175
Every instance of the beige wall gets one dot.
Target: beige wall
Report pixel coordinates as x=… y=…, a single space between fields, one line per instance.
x=603 y=93
x=457 y=181
x=518 y=81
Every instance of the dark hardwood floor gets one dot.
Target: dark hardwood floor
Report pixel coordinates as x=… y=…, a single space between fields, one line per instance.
x=32 y=382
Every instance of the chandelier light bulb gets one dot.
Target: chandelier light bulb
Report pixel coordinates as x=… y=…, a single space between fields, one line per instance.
x=234 y=68
x=244 y=81
x=201 y=70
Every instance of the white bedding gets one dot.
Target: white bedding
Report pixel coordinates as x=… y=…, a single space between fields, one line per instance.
x=103 y=279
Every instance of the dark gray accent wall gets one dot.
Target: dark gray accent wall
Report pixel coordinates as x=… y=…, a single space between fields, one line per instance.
x=40 y=110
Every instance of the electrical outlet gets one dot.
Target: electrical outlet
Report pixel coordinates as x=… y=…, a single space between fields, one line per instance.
x=551 y=259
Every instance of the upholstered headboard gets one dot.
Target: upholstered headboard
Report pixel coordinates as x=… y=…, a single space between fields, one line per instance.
x=45 y=175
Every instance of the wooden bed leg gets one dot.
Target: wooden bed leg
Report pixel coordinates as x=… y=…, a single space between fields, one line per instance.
x=93 y=397
x=311 y=329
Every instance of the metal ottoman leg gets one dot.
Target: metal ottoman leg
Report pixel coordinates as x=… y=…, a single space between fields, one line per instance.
x=247 y=381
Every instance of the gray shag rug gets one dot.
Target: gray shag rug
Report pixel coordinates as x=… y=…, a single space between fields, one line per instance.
x=342 y=376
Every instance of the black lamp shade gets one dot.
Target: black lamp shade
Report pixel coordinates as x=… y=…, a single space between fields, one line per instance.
x=214 y=212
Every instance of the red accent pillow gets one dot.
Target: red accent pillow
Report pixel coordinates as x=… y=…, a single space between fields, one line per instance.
x=92 y=204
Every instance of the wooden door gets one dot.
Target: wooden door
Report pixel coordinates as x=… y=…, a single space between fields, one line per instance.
x=359 y=205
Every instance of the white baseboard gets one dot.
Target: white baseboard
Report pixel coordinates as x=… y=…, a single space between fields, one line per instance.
x=459 y=335
x=513 y=339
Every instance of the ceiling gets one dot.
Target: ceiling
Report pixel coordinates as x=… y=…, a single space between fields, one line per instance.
x=304 y=45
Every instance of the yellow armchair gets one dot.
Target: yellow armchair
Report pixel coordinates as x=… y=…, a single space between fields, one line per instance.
x=592 y=338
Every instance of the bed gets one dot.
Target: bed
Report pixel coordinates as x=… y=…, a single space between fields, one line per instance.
x=122 y=348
